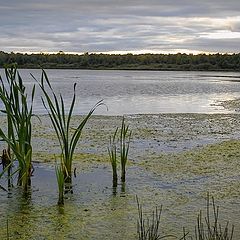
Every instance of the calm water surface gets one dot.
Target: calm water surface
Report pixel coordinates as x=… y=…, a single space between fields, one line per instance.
x=132 y=92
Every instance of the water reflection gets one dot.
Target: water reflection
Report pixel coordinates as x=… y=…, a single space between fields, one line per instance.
x=129 y=92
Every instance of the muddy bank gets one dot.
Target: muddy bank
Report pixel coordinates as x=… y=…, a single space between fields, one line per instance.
x=174 y=160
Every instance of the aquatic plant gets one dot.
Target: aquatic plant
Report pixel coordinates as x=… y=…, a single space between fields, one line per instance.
x=19 y=128
x=125 y=137
x=149 y=228
x=61 y=123
x=112 y=152
x=59 y=170
x=210 y=228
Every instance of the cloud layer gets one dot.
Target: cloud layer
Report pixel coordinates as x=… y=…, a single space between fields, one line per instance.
x=120 y=25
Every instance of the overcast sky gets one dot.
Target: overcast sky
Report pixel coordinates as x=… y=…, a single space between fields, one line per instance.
x=120 y=25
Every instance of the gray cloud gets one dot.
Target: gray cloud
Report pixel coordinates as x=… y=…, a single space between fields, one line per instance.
x=114 y=25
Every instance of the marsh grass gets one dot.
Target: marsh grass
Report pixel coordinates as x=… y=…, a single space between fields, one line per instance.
x=19 y=128
x=209 y=227
x=149 y=228
x=112 y=152
x=125 y=137
x=61 y=121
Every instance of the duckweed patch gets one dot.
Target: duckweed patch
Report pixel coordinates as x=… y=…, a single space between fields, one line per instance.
x=221 y=158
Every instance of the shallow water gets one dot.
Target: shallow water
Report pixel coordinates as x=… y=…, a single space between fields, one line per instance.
x=169 y=164
x=97 y=211
x=134 y=92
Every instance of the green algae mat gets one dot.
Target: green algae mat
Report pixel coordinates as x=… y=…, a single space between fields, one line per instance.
x=174 y=160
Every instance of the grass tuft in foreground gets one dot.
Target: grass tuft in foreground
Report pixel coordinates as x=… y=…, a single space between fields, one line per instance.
x=149 y=228
x=209 y=227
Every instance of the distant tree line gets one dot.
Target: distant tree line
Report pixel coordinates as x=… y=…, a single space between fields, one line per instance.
x=211 y=62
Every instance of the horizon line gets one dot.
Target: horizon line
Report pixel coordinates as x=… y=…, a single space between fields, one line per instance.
x=124 y=52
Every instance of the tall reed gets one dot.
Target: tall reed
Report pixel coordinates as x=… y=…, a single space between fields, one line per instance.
x=19 y=128
x=61 y=120
x=125 y=137
x=112 y=152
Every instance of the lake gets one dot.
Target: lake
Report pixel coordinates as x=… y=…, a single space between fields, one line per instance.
x=174 y=159
x=140 y=92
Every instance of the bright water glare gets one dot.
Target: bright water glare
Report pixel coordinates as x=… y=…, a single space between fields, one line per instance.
x=139 y=92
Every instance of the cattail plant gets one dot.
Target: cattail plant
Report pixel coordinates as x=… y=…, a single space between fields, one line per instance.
x=112 y=152
x=125 y=137
x=61 y=123
x=19 y=128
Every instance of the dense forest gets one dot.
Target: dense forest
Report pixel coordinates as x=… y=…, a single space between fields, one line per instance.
x=226 y=62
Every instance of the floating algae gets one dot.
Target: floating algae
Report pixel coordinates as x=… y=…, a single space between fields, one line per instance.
x=174 y=160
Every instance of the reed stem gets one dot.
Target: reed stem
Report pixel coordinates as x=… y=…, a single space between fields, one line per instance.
x=125 y=137
x=112 y=152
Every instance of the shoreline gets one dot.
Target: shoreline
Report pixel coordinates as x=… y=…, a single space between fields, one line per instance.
x=128 y=69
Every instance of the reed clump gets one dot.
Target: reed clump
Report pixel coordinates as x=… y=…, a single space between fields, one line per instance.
x=19 y=127
x=210 y=227
x=119 y=144
x=61 y=122
x=149 y=228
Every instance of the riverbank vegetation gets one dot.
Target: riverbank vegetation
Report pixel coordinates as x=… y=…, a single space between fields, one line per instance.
x=184 y=62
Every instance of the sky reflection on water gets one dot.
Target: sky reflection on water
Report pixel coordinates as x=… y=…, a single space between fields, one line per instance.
x=140 y=92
